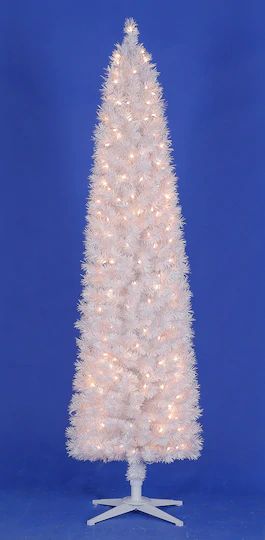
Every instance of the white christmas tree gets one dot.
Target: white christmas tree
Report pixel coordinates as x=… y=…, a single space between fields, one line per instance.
x=135 y=387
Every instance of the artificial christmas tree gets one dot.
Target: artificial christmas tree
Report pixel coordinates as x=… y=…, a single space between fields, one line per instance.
x=135 y=387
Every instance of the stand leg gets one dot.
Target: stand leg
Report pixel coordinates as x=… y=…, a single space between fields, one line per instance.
x=113 y=512
x=165 y=502
x=107 y=502
x=154 y=511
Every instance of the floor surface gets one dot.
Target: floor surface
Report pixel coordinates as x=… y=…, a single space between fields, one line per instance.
x=52 y=515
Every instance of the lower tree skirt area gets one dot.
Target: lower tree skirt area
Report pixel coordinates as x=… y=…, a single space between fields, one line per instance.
x=54 y=514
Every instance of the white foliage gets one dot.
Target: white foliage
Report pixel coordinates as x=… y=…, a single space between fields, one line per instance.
x=135 y=387
x=136 y=471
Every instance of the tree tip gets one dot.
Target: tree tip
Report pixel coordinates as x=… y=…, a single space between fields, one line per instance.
x=130 y=27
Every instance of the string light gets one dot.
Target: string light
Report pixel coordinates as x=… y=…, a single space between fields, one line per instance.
x=129 y=29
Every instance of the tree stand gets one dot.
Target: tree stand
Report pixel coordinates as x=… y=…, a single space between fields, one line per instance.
x=135 y=475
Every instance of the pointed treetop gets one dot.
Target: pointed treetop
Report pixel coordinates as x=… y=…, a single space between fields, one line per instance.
x=131 y=29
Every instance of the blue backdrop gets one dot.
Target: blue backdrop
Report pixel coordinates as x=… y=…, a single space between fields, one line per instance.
x=211 y=58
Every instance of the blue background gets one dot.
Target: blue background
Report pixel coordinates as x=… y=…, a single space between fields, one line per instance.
x=211 y=58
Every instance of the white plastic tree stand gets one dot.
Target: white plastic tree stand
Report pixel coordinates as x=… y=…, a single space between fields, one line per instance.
x=135 y=475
